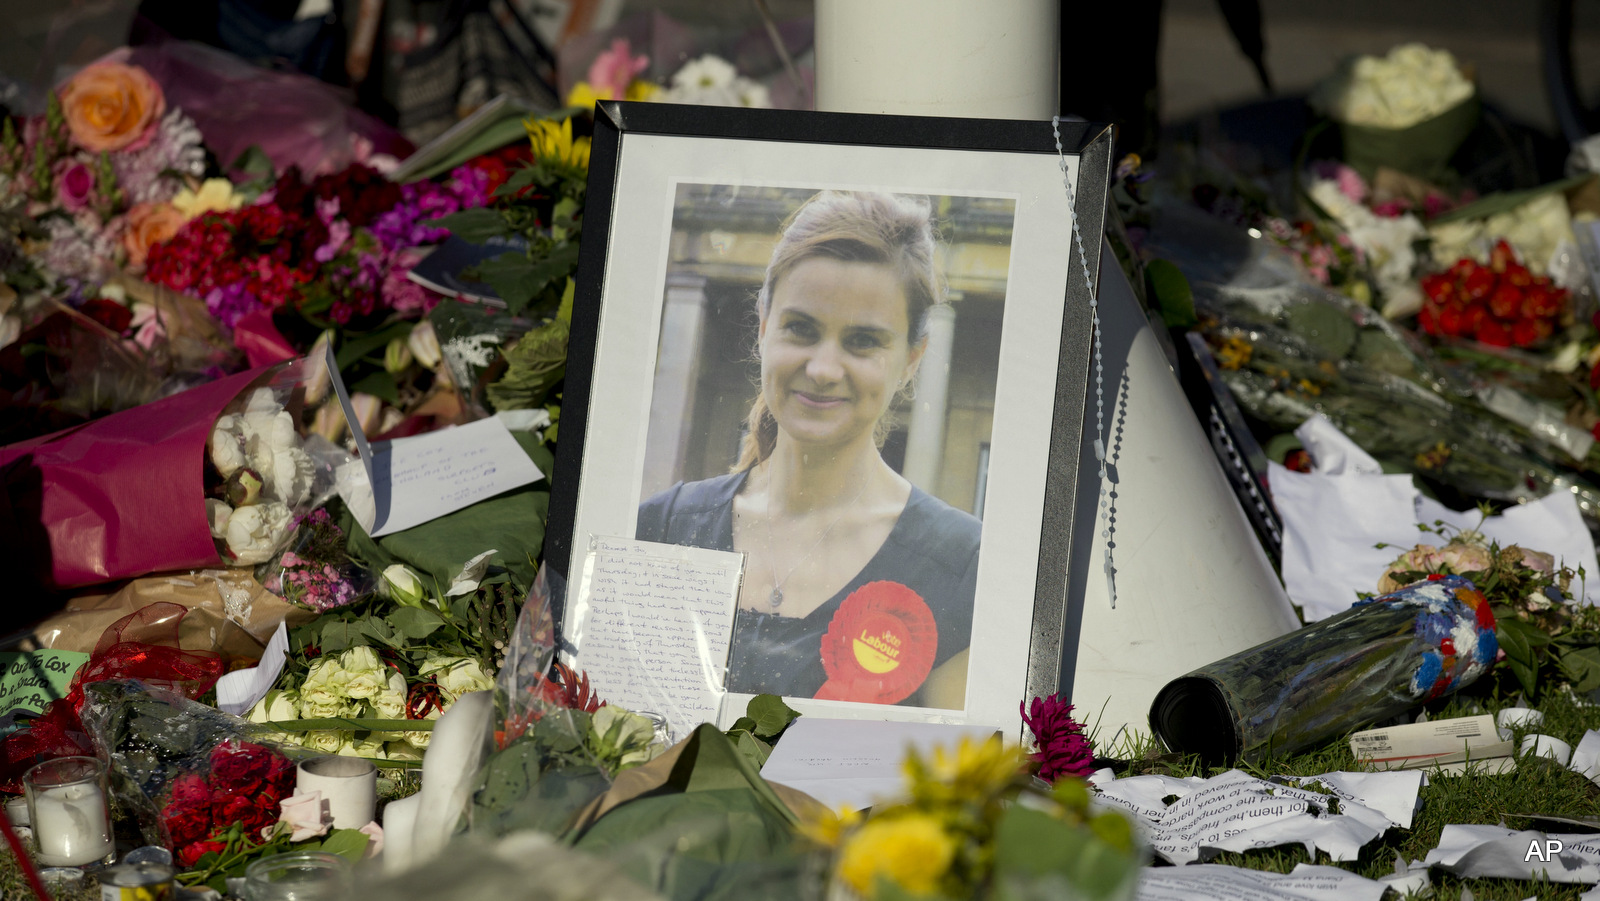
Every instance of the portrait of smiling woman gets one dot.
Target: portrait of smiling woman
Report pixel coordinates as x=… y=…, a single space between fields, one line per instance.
x=859 y=583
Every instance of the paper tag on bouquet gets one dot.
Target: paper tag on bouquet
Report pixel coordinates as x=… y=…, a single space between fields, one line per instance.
x=398 y=484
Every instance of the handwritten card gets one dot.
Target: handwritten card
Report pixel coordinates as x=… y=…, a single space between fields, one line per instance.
x=398 y=484
x=239 y=690
x=652 y=625
x=29 y=680
x=857 y=762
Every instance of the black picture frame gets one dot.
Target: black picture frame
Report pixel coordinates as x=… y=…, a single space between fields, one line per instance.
x=1088 y=144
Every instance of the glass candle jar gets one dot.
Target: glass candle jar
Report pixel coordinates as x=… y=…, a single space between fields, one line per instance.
x=68 y=809
x=300 y=876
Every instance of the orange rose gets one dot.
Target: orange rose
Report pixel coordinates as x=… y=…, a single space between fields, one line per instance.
x=149 y=224
x=112 y=106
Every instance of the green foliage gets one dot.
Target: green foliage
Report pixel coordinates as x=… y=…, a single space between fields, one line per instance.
x=533 y=366
x=1167 y=284
x=754 y=734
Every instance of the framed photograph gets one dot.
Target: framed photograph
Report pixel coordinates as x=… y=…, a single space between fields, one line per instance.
x=853 y=351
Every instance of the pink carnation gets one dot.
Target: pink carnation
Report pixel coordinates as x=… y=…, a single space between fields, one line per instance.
x=1063 y=748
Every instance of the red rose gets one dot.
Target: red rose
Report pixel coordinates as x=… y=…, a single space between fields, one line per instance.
x=190 y=790
x=1494 y=334
x=1451 y=321
x=1506 y=301
x=239 y=766
x=187 y=825
x=1528 y=332
x=189 y=855
x=1478 y=283
x=232 y=809
x=1518 y=275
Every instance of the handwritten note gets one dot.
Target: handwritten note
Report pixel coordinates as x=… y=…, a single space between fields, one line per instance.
x=31 y=679
x=652 y=624
x=397 y=484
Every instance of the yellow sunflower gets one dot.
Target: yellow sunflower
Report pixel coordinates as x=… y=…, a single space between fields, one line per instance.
x=553 y=143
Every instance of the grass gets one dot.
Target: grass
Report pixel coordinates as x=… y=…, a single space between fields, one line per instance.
x=1536 y=787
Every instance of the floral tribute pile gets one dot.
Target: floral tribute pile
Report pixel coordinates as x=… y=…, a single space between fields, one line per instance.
x=1501 y=304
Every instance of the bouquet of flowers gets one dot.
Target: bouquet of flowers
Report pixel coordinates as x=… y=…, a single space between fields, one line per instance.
x=1544 y=631
x=123 y=496
x=1502 y=304
x=972 y=825
x=203 y=784
x=1409 y=110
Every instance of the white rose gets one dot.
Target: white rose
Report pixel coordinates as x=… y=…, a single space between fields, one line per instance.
x=368 y=675
x=276 y=706
x=227 y=446
x=217 y=513
x=323 y=709
x=419 y=739
x=402 y=750
x=325 y=683
x=457 y=675
x=262 y=400
x=367 y=748
x=257 y=532
x=403 y=585
x=424 y=344
x=327 y=741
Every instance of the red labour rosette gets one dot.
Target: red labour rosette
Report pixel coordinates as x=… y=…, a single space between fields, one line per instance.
x=880 y=645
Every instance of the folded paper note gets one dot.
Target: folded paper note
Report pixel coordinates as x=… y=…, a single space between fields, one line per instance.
x=397 y=484
x=857 y=762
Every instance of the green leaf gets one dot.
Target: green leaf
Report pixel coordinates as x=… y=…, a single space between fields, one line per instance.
x=415 y=622
x=379 y=384
x=476 y=225
x=380 y=631
x=524 y=177
x=358 y=347
x=518 y=279
x=351 y=724
x=351 y=844
x=1506 y=201
x=253 y=161
x=339 y=635
x=772 y=716
x=1171 y=292
x=1036 y=850
x=1582 y=666
x=754 y=749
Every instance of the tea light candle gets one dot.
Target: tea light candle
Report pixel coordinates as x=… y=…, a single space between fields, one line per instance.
x=71 y=824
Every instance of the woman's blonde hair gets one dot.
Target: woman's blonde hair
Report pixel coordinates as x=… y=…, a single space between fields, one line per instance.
x=855 y=227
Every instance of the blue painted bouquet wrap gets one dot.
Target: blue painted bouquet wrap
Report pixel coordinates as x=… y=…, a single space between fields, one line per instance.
x=1378 y=659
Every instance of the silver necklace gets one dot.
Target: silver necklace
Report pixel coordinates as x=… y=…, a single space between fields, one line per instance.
x=775 y=599
x=1099 y=366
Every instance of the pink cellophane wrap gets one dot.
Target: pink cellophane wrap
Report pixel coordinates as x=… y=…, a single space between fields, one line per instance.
x=120 y=496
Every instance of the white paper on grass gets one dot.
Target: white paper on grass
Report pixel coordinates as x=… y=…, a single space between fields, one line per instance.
x=1334 y=518
x=857 y=762
x=1586 y=757
x=651 y=625
x=239 y=690
x=395 y=485
x=1217 y=882
x=1494 y=852
x=1238 y=812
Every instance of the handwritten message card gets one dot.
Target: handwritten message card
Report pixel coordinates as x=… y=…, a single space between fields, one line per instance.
x=652 y=624
x=31 y=679
x=397 y=484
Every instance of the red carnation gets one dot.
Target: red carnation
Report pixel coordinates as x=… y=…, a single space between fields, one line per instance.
x=1063 y=748
x=187 y=824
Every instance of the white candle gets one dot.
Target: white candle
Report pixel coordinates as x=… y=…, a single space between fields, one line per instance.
x=71 y=824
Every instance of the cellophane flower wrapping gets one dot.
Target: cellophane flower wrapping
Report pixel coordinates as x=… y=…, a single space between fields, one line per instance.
x=543 y=771
x=268 y=475
x=1288 y=349
x=186 y=770
x=121 y=496
x=1373 y=661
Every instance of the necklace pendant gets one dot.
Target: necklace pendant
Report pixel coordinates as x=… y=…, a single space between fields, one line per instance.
x=776 y=598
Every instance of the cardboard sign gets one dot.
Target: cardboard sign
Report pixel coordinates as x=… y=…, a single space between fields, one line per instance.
x=32 y=679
